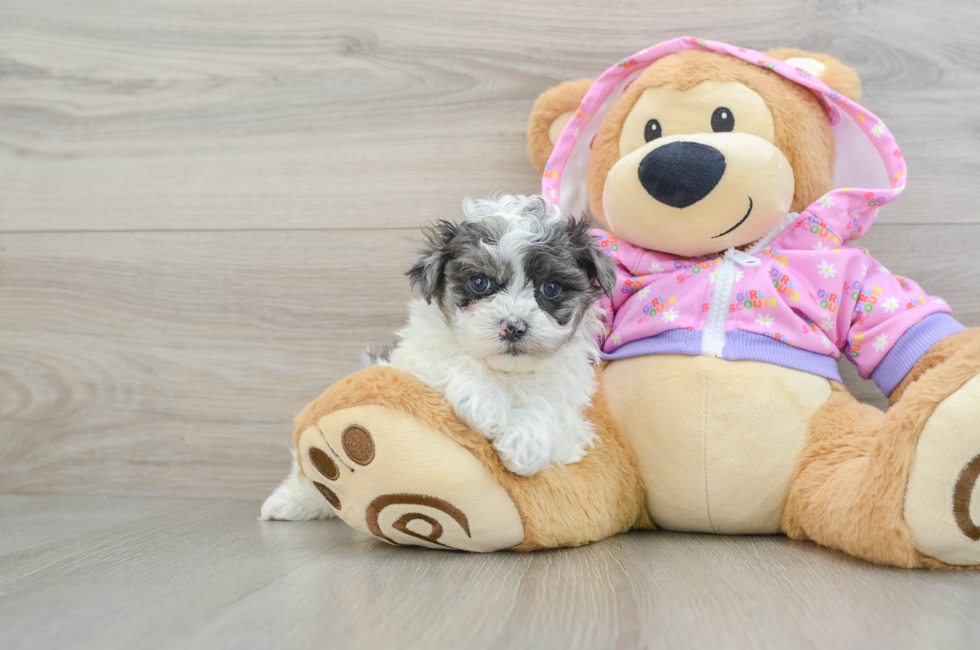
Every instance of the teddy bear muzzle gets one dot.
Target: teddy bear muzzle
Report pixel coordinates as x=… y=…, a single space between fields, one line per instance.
x=698 y=194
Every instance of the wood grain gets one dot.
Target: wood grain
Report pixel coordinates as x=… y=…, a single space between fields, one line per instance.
x=170 y=364
x=152 y=115
x=206 y=209
x=121 y=573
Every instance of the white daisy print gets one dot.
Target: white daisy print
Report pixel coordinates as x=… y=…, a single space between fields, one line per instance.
x=878 y=129
x=827 y=201
x=669 y=315
x=617 y=339
x=712 y=277
x=826 y=342
x=881 y=342
x=655 y=268
x=827 y=323
x=884 y=270
x=765 y=320
x=644 y=292
x=739 y=274
x=938 y=301
x=890 y=305
x=553 y=193
x=819 y=246
x=826 y=269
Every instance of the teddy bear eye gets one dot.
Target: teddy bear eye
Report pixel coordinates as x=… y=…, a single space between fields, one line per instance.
x=653 y=130
x=722 y=120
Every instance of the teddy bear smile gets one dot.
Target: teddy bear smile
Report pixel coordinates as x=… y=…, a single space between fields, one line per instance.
x=741 y=221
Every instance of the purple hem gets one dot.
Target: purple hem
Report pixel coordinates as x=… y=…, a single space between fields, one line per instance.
x=910 y=347
x=679 y=341
x=749 y=346
x=739 y=346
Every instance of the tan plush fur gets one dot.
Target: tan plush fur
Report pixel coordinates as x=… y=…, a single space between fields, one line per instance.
x=549 y=106
x=849 y=489
x=844 y=79
x=846 y=488
x=956 y=344
x=849 y=485
x=560 y=506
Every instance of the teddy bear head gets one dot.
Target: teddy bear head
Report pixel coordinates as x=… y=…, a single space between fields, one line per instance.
x=702 y=152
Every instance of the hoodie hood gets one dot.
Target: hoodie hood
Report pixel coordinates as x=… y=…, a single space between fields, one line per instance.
x=869 y=170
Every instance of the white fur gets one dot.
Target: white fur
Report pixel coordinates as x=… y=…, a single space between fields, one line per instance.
x=531 y=406
x=532 y=409
x=295 y=500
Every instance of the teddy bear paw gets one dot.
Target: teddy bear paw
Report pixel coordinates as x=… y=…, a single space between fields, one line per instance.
x=942 y=500
x=387 y=474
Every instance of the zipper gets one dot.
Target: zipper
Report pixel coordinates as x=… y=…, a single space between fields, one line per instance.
x=713 y=336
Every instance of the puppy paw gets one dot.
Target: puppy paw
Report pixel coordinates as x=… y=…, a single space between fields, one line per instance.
x=574 y=440
x=284 y=505
x=296 y=499
x=524 y=447
x=486 y=411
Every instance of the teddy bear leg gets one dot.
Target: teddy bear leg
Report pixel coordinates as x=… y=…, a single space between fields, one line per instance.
x=941 y=400
x=898 y=488
x=848 y=487
x=394 y=461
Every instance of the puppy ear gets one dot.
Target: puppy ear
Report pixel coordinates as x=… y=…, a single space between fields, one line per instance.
x=550 y=114
x=600 y=268
x=427 y=272
x=841 y=78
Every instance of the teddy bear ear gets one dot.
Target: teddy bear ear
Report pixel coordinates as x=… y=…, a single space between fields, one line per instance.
x=829 y=70
x=550 y=114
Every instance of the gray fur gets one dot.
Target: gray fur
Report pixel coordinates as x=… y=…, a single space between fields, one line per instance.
x=514 y=241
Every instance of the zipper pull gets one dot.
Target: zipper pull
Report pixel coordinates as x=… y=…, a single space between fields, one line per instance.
x=742 y=258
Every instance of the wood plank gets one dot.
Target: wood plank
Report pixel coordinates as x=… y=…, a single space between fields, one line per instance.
x=152 y=362
x=170 y=364
x=161 y=573
x=149 y=115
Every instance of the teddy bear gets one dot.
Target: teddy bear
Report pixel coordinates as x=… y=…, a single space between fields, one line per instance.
x=731 y=186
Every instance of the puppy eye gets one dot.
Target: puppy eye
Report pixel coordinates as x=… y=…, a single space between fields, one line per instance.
x=551 y=289
x=653 y=130
x=722 y=120
x=480 y=283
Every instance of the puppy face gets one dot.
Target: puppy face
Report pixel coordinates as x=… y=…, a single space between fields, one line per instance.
x=513 y=288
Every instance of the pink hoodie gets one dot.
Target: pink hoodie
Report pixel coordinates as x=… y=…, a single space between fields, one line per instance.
x=797 y=298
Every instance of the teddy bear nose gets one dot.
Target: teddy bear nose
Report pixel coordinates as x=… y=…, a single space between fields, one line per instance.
x=680 y=174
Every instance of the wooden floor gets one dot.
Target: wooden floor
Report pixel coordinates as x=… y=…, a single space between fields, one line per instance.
x=89 y=572
x=206 y=208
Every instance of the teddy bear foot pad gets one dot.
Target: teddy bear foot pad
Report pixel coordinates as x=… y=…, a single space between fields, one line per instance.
x=388 y=475
x=942 y=500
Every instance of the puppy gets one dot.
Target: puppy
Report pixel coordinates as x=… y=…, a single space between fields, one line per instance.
x=507 y=331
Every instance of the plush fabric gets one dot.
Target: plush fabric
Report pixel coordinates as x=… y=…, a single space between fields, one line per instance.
x=560 y=506
x=559 y=102
x=705 y=424
x=691 y=437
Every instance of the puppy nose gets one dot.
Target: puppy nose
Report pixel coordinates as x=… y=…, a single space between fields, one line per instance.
x=513 y=329
x=680 y=174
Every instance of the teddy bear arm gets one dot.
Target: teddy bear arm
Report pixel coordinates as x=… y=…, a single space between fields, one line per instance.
x=962 y=345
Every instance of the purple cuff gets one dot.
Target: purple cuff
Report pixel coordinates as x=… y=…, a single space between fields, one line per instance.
x=910 y=347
